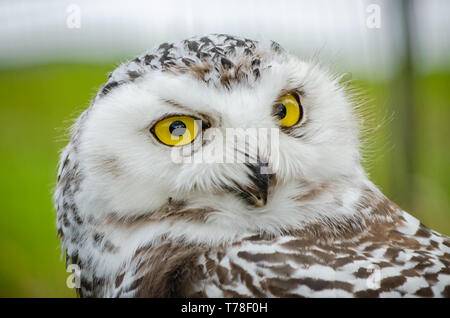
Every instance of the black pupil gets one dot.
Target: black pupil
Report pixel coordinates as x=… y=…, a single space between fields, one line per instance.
x=280 y=111
x=177 y=128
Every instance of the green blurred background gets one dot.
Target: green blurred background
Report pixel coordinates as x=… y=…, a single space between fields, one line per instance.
x=406 y=137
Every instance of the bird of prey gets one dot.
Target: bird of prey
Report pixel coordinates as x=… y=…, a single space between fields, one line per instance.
x=220 y=166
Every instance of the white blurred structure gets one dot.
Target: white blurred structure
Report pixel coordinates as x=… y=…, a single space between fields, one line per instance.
x=338 y=32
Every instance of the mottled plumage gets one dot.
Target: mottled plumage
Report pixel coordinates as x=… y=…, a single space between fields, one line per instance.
x=140 y=225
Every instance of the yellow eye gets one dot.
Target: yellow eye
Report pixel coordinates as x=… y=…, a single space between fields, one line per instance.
x=176 y=130
x=288 y=110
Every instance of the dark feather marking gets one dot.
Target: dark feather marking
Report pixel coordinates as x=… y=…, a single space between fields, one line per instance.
x=423 y=231
x=391 y=283
x=285 y=270
x=410 y=273
x=119 y=279
x=133 y=75
x=312 y=283
x=148 y=59
x=446 y=292
x=425 y=292
x=107 y=88
x=238 y=272
x=368 y=293
x=223 y=275
x=172 y=271
x=363 y=273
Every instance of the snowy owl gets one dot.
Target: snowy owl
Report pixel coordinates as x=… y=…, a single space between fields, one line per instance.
x=287 y=212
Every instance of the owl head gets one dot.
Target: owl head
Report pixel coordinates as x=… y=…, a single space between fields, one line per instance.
x=220 y=122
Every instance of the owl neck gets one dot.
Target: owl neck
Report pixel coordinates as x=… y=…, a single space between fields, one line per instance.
x=325 y=210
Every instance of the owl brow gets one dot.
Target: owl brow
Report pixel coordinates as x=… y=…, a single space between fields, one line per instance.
x=177 y=105
x=298 y=90
x=207 y=120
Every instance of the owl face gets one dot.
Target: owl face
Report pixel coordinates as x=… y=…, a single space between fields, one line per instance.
x=226 y=120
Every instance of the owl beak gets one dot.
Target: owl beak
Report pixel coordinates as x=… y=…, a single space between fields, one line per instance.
x=256 y=193
x=256 y=197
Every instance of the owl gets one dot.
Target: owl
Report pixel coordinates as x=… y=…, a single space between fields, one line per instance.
x=220 y=166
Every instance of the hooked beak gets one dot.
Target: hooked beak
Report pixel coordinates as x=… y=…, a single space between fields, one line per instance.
x=256 y=193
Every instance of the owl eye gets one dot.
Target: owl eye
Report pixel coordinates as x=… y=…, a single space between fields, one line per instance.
x=176 y=130
x=288 y=110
